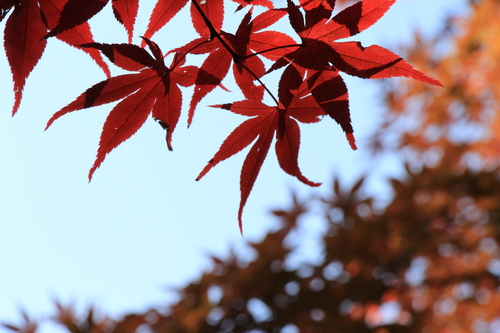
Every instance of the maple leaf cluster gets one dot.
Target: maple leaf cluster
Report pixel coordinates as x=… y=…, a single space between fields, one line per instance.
x=310 y=86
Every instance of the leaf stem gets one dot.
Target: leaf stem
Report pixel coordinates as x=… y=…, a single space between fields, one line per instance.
x=261 y=83
x=186 y=53
x=271 y=49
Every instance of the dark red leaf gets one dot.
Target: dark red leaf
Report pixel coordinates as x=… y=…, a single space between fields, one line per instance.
x=316 y=15
x=330 y=92
x=24 y=44
x=311 y=4
x=76 y=12
x=155 y=50
x=5 y=7
x=296 y=18
x=127 y=56
x=290 y=81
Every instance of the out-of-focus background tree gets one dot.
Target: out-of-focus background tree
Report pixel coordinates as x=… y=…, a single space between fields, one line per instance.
x=429 y=261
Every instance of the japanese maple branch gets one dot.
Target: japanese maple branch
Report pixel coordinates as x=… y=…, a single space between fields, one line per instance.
x=261 y=83
x=214 y=33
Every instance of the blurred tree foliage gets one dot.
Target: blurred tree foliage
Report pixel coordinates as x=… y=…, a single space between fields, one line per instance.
x=428 y=262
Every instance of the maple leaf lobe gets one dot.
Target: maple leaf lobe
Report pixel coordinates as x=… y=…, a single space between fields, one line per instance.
x=76 y=12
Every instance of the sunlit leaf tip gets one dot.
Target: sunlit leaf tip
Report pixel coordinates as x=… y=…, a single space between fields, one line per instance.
x=351 y=140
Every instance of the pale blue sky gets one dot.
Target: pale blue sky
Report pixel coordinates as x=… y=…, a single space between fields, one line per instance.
x=143 y=223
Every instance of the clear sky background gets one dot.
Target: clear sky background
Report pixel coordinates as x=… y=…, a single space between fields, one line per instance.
x=143 y=224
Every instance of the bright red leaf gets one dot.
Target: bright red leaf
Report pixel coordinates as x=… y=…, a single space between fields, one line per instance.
x=163 y=12
x=309 y=89
x=154 y=89
x=267 y=122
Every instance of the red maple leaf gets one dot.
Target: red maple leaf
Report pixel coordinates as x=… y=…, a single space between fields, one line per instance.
x=310 y=86
x=319 y=51
x=319 y=48
x=267 y=123
x=240 y=49
x=153 y=89
x=24 y=40
x=165 y=10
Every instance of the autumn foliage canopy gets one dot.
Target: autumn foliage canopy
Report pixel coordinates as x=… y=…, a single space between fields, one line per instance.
x=309 y=57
